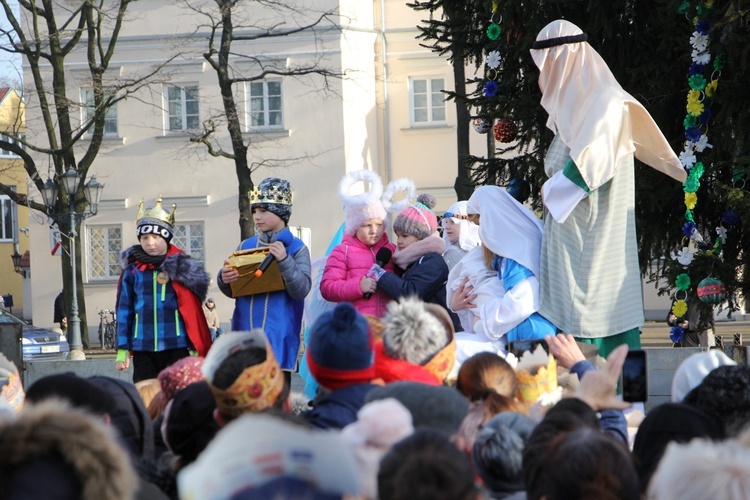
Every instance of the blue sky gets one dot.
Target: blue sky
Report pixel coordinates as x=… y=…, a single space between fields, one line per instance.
x=10 y=65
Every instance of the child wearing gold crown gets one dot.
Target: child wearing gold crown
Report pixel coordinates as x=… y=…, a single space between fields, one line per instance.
x=159 y=299
x=278 y=313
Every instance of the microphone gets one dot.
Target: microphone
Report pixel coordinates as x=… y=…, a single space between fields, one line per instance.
x=382 y=258
x=286 y=238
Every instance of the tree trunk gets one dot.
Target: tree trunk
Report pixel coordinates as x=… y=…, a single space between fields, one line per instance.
x=463 y=185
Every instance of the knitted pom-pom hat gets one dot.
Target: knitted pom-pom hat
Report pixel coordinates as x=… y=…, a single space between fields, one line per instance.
x=362 y=207
x=339 y=352
x=418 y=219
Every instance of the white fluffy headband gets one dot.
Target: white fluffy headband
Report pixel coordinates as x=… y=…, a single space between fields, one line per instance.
x=404 y=184
x=374 y=194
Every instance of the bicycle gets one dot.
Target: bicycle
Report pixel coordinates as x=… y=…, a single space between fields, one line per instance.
x=107 y=328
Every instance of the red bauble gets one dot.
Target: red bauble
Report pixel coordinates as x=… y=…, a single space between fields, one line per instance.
x=505 y=130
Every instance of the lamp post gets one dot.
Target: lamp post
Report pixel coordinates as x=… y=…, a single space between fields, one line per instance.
x=93 y=192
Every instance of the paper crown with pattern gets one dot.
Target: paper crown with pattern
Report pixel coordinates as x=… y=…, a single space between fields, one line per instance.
x=257 y=388
x=156 y=212
x=274 y=194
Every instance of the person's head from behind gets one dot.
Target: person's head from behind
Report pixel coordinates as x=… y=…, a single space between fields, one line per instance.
x=340 y=350
x=415 y=222
x=497 y=452
x=702 y=469
x=488 y=377
x=154 y=228
x=425 y=465
x=584 y=463
x=76 y=391
x=271 y=204
x=244 y=376
x=724 y=396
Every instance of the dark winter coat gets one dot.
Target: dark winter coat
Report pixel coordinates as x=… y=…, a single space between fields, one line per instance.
x=339 y=408
x=425 y=274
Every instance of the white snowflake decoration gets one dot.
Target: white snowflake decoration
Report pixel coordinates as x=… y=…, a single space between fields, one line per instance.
x=494 y=59
x=699 y=42
x=687 y=158
x=702 y=144
x=684 y=256
x=701 y=56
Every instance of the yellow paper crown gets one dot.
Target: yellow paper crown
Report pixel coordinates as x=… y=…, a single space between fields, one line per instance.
x=272 y=195
x=156 y=212
x=257 y=388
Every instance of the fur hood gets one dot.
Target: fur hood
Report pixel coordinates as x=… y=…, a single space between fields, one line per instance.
x=432 y=244
x=53 y=430
x=180 y=267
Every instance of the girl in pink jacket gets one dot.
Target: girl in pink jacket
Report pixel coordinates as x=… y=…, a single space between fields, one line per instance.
x=345 y=275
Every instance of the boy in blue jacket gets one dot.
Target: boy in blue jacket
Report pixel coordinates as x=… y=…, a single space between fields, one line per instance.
x=159 y=299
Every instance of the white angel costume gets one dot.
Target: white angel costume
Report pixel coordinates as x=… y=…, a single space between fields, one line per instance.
x=508 y=294
x=589 y=273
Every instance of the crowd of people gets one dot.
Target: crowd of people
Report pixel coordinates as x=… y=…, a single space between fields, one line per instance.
x=411 y=389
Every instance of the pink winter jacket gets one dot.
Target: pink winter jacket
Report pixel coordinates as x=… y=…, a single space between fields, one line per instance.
x=346 y=265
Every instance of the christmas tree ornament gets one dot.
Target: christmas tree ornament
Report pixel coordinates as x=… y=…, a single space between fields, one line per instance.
x=482 y=125
x=711 y=291
x=505 y=130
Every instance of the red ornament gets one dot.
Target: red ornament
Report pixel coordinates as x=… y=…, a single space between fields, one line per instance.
x=505 y=130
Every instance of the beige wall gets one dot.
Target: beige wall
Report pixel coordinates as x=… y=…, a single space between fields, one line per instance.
x=13 y=174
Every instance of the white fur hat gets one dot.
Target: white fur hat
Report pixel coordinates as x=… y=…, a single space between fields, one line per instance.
x=694 y=369
x=413 y=332
x=361 y=207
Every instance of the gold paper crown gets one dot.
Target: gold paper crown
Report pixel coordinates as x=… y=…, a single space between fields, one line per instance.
x=257 y=388
x=156 y=212
x=273 y=195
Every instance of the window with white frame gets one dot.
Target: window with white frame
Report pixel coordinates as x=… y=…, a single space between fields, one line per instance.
x=9 y=154
x=182 y=108
x=104 y=247
x=190 y=237
x=88 y=109
x=427 y=100
x=265 y=104
x=8 y=220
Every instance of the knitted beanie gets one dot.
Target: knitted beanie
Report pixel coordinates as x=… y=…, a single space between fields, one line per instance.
x=412 y=332
x=155 y=220
x=418 y=219
x=362 y=207
x=269 y=190
x=339 y=352
x=179 y=375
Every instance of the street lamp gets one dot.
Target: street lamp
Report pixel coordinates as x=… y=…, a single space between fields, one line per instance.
x=16 y=258
x=93 y=191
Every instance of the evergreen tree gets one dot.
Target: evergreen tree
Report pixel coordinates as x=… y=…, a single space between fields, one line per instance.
x=647 y=46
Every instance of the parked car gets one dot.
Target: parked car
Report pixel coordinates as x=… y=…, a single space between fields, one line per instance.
x=38 y=343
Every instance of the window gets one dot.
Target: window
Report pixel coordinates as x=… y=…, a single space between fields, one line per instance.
x=7 y=219
x=427 y=100
x=189 y=237
x=104 y=246
x=182 y=108
x=265 y=104
x=110 y=116
x=9 y=154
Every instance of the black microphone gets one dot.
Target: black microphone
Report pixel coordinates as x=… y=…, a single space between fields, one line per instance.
x=286 y=238
x=382 y=258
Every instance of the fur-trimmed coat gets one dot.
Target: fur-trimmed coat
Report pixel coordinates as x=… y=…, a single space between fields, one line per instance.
x=157 y=314
x=47 y=441
x=425 y=273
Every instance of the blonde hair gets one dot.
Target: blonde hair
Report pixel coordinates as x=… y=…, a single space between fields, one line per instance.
x=150 y=392
x=488 y=256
